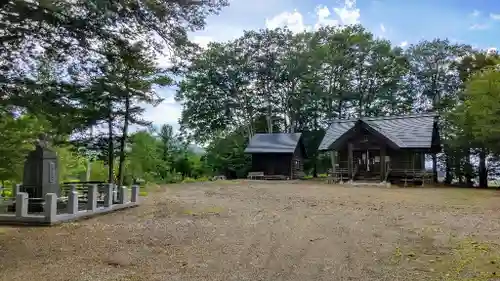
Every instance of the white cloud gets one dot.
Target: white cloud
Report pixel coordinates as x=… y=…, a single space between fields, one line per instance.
x=294 y=21
x=478 y=26
x=246 y=15
x=323 y=14
x=167 y=112
x=492 y=51
x=201 y=40
x=403 y=44
x=495 y=16
x=164 y=59
x=382 y=27
x=475 y=13
x=347 y=14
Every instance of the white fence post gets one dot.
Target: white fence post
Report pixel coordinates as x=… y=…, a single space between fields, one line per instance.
x=135 y=194
x=16 y=188
x=73 y=202
x=50 y=207
x=108 y=198
x=21 y=204
x=92 y=197
x=123 y=195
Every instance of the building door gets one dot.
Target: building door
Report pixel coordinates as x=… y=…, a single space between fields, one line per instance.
x=368 y=161
x=375 y=161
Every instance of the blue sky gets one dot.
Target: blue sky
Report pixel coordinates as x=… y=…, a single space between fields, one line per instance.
x=474 y=22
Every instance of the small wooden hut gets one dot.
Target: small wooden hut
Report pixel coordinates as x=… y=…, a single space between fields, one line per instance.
x=389 y=148
x=277 y=155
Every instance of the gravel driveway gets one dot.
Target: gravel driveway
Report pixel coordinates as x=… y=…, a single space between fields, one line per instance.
x=251 y=230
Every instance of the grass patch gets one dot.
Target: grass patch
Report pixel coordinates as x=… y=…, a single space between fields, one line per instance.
x=143 y=193
x=472 y=261
x=462 y=260
x=213 y=210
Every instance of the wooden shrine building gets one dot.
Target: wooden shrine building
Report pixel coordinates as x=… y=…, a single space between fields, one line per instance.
x=277 y=155
x=390 y=148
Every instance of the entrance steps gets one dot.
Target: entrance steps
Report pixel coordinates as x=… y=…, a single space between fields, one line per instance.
x=368 y=183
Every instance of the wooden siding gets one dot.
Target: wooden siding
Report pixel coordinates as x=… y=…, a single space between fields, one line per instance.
x=368 y=153
x=297 y=164
x=272 y=163
x=284 y=164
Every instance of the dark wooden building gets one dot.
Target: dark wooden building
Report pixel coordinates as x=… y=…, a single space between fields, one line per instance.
x=277 y=155
x=387 y=148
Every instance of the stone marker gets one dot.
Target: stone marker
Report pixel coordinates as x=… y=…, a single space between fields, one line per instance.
x=41 y=175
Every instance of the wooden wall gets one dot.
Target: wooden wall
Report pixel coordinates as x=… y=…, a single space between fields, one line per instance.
x=286 y=164
x=272 y=163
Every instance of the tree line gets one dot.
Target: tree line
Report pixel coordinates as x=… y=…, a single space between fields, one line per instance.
x=83 y=72
x=279 y=81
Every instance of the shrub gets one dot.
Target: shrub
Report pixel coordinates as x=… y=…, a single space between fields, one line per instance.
x=6 y=193
x=188 y=180
x=204 y=178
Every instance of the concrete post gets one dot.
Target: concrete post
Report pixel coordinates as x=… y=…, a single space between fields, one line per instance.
x=135 y=194
x=115 y=192
x=50 y=207
x=21 y=204
x=73 y=202
x=123 y=195
x=108 y=198
x=72 y=187
x=92 y=197
x=16 y=188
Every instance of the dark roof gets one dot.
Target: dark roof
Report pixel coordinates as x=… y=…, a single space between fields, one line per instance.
x=410 y=131
x=273 y=143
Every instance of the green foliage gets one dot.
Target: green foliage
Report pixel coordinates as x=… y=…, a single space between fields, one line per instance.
x=188 y=180
x=18 y=136
x=225 y=156
x=101 y=71
x=481 y=109
x=72 y=166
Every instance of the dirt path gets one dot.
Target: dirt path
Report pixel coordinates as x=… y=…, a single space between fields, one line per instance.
x=270 y=231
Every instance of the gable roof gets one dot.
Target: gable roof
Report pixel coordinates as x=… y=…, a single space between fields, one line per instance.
x=410 y=131
x=273 y=143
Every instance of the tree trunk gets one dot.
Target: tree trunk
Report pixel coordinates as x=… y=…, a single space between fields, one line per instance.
x=111 y=149
x=448 y=177
x=123 y=141
x=468 y=168
x=483 y=173
x=434 y=168
x=89 y=162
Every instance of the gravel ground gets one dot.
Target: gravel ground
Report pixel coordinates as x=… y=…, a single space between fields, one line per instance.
x=252 y=230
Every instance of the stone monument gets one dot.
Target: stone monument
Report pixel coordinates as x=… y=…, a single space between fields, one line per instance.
x=41 y=175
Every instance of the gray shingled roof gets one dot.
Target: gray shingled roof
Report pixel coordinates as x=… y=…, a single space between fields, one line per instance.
x=273 y=143
x=411 y=131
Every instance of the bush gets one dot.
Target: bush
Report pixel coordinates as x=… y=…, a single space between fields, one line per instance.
x=188 y=180
x=204 y=178
x=7 y=193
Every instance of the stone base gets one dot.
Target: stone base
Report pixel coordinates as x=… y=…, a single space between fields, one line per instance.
x=36 y=206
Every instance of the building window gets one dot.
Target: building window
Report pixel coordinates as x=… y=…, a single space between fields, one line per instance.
x=296 y=164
